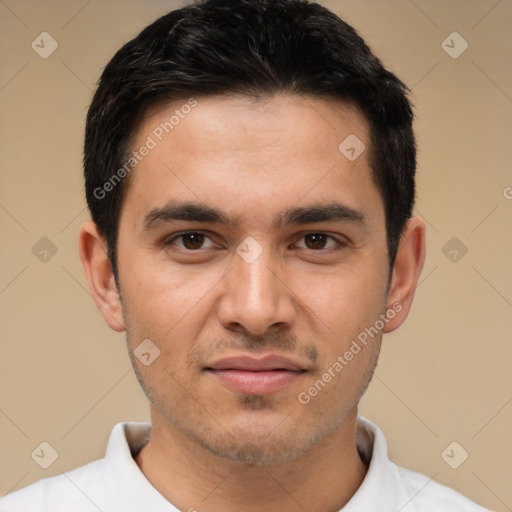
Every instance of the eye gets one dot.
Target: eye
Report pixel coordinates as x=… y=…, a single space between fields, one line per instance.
x=195 y=241
x=191 y=241
x=319 y=241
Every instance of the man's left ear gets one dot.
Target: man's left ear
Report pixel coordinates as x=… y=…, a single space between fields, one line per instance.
x=406 y=272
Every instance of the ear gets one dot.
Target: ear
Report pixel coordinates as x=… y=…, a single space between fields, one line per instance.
x=94 y=256
x=406 y=272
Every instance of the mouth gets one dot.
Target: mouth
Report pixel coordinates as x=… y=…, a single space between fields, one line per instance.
x=253 y=376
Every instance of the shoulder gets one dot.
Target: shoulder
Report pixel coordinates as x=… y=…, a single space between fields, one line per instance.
x=401 y=488
x=426 y=495
x=57 y=493
x=112 y=483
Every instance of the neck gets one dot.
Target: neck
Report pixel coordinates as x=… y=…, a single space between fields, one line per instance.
x=192 y=478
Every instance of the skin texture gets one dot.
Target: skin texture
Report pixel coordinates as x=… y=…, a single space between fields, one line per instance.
x=212 y=447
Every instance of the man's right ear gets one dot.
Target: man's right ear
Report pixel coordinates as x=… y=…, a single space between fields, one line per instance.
x=94 y=256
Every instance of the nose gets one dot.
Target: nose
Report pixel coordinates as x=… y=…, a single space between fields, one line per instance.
x=256 y=297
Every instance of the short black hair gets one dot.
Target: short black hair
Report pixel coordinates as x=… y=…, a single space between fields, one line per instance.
x=257 y=48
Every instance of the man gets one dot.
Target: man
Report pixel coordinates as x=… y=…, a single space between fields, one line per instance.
x=249 y=169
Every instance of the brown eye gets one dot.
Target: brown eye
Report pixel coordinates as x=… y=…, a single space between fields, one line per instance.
x=320 y=242
x=191 y=241
x=315 y=241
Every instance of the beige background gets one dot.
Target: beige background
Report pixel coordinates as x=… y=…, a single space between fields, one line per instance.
x=445 y=376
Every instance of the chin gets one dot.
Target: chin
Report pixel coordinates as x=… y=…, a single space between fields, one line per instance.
x=258 y=443
x=252 y=452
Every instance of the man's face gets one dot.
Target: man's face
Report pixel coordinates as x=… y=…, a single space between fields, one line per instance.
x=245 y=326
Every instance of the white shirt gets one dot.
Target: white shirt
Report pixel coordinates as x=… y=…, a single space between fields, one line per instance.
x=115 y=483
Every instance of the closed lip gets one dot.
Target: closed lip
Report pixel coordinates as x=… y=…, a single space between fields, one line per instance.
x=256 y=364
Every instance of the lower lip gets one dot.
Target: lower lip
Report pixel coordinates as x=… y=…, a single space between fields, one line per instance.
x=257 y=383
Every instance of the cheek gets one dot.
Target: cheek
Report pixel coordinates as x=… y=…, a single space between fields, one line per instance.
x=155 y=288
x=343 y=301
x=168 y=305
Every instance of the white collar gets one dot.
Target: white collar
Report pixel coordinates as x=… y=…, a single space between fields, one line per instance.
x=382 y=478
x=117 y=483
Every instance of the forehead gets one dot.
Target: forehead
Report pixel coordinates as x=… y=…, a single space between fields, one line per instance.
x=247 y=156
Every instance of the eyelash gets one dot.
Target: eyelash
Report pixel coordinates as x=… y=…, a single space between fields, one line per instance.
x=339 y=243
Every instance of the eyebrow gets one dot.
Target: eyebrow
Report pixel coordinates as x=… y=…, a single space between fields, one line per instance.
x=197 y=212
